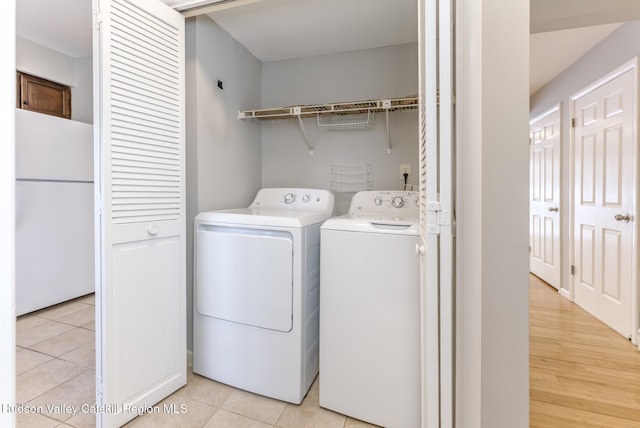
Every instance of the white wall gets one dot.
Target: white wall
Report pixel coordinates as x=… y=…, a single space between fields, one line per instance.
x=389 y=72
x=492 y=214
x=7 y=220
x=618 y=48
x=35 y=59
x=223 y=154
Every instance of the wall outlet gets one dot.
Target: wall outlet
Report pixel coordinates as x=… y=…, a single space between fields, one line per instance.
x=405 y=168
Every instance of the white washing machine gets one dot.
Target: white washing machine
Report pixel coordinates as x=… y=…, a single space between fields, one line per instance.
x=370 y=310
x=256 y=292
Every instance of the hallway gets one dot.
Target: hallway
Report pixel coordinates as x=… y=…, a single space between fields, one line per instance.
x=581 y=373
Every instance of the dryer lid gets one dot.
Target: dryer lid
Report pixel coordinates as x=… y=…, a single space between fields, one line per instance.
x=279 y=207
x=262 y=217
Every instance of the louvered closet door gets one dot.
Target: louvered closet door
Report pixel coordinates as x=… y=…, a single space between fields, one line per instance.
x=429 y=307
x=436 y=201
x=139 y=104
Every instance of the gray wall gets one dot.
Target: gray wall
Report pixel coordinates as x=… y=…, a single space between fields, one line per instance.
x=228 y=150
x=223 y=154
x=389 y=72
x=620 y=47
x=492 y=286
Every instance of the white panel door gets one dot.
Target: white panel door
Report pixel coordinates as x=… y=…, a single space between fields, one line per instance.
x=604 y=179
x=140 y=221
x=544 y=211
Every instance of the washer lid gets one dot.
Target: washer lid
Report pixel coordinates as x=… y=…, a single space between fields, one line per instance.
x=374 y=224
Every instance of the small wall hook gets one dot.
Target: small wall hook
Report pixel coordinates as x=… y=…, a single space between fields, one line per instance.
x=220 y=84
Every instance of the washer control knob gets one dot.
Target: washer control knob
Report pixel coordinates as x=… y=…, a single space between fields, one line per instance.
x=289 y=198
x=397 y=202
x=306 y=198
x=377 y=201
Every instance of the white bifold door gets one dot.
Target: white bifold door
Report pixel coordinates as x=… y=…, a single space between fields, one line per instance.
x=544 y=205
x=140 y=207
x=604 y=264
x=436 y=40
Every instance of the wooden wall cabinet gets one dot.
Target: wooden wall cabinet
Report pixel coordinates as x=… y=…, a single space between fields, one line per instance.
x=43 y=96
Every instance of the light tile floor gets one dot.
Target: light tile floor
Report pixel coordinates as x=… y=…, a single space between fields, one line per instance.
x=55 y=362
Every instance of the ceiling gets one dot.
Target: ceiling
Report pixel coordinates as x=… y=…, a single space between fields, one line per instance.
x=562 y=30
x=312 y=27
x=62 y=25
x=552 y=52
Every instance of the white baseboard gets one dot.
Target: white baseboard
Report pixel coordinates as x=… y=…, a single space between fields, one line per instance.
x=565 y=293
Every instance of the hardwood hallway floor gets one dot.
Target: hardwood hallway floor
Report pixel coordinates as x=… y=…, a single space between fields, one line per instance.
x=582 y=373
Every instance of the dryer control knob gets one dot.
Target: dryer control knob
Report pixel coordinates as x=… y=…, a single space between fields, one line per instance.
x=306 y=198
x=289 y=198
x=377 y=201
x=397 y=202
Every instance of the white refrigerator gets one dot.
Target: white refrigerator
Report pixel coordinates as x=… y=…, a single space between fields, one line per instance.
x=54 y=210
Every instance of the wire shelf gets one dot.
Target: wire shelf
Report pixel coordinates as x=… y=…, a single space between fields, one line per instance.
x=335 y=116
x=353 y=107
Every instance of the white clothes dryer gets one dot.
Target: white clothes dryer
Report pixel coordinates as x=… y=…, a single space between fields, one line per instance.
x=370 y=310
x=256 y=292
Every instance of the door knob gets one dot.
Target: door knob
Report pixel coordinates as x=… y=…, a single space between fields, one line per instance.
x=623 y=217
x=553 y=209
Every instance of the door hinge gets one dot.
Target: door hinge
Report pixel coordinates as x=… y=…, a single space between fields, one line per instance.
x=433 y=209
x=436 y=217
x=97 y=19
x=99 y=389
x=573 y=270
x=529 y=249
x=98 y=206
x=573 y=122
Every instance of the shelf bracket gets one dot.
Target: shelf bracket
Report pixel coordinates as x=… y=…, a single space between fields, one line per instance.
x=386 y=104
x=296 y=112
